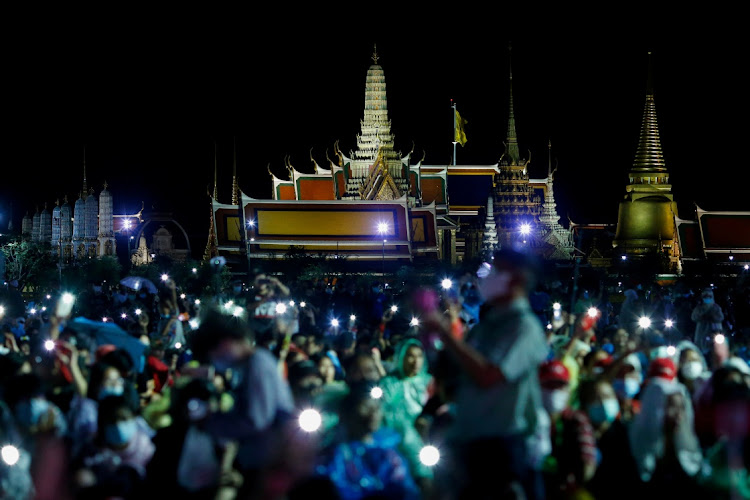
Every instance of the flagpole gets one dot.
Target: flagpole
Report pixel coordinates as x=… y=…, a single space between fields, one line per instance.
x=453 y=107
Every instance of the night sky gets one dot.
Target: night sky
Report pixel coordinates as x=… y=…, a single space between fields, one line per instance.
x=149 y=108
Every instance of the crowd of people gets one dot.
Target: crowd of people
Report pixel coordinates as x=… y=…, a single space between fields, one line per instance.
x=489 y=385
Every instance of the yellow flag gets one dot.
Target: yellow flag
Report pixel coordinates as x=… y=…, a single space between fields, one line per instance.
x=460 y=135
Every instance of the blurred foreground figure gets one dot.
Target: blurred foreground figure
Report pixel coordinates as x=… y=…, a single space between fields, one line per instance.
x=498 y=399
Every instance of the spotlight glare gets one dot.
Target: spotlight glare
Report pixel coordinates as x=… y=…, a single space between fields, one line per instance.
x=593 y=312
x=719 y=338
x=671 y=350
x=644 y=322
x=280 y=308
x=376 y=392
x=164 y=277
x=10 y=454
x=49 y=345
x=237 y=312
x=334 y=322
x=429 y=455
x=446 y=284
x=669 y=323
x=310 y=420
x=414 y=322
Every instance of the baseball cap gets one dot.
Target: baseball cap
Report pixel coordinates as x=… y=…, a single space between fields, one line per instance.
x=662 y=368
x=553 y=371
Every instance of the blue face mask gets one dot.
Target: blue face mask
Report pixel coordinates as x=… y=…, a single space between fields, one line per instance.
x=111 y=391
x=30 y=412
x=120 y=433
x=166 y=316
x=626 y=387
x=605 y=411
x=708 y=300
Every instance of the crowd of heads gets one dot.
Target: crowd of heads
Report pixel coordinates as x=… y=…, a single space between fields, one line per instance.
x=343 y=393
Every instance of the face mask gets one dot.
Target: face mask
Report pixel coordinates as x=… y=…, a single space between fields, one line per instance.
x=496 y=284
x=626 y=387
x=166 y=316
x=30 y=412
x=555 y=400
x=691 y=370
x=111 y=391
x=605 y=411
x=197 y=409
x=120 y=433
x=707 y=300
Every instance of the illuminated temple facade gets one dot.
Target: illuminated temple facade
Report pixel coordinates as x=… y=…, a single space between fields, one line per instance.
x=377 y=203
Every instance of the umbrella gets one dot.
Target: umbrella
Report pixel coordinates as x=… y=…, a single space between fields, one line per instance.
x=138 y=283
x=102 y=333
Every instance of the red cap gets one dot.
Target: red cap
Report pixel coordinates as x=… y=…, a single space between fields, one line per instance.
x=662 y=367
x=103 y=350
x=553 y=371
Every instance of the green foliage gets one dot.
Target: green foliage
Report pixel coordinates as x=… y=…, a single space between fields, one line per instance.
x=31 y=264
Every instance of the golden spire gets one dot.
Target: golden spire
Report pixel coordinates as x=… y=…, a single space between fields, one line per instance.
x=84 y=170
x=375 y=54
x=512 y=146
x=649 y=154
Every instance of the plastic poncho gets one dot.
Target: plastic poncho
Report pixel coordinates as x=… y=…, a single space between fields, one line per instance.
x=359 y=469
x=403 y=400
x=646 y=432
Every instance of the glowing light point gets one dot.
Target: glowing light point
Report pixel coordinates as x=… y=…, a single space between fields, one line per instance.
x=335 y=322
x=429 y=455
x=228 y=305
x=280 y=308
x=10 y=454
x=671 y=350
x=291 y=303
x=178 y=345
x=394 y=308
x=719 y=338
x=644 y=322
x=237 y=312
x=549 y=326
x=446 y=284
x=2 y=310
x=68 y=298
x=164 y=277
x=195 y=270
x=556 y=306
x=668 y=323
x=302 y=304
x=352 y=317
x=414 y=322
x=310 y=420
x=49 y=344
x=138 y=312
x=182 y=296
x=376 y=392
x=123 y=315
x=197 y=302
x=525 y=228
x=593 y=312
x=193 y=323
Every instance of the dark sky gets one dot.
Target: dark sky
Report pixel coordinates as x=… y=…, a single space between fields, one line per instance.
x=148 y=105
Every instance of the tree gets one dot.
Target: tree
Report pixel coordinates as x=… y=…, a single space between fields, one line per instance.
x=30 y=264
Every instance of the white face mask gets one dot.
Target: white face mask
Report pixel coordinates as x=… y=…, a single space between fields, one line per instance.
x=555 y=400
x=495 y=284
x=691 y=370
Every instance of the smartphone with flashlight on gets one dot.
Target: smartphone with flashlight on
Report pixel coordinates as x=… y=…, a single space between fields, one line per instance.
x=65 y=305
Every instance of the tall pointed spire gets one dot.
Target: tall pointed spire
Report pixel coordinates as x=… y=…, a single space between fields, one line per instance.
x=85 y=188
x=512 y=144
x=649 y=154
x=235 y=186
x=216 y=190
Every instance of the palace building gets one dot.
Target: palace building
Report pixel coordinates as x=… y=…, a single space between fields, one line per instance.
x=376 y=203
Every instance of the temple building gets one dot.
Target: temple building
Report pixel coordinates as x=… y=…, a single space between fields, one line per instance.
x=88 y=230
x=647 y=214
x=375 y=203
